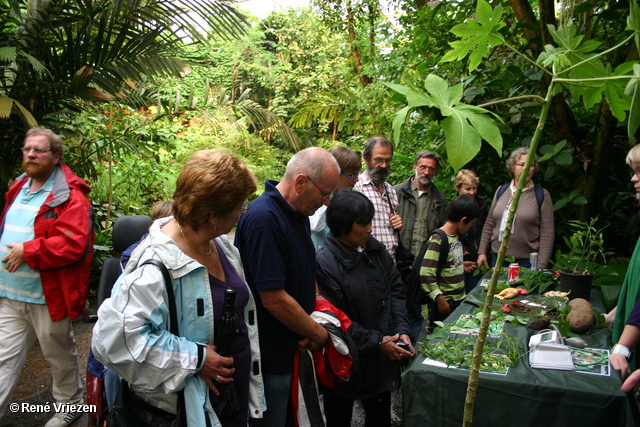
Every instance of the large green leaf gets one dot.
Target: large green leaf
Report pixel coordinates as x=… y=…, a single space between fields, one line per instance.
x=573 y=49
x=8 y=53
x=401 y=89
x=477 y=35
x=486 y=127
x=614 y=91
x=463 y=141
x=443 y=95
x=633 y=21
x=398 y=120
x=633 y=91
x=465 y=125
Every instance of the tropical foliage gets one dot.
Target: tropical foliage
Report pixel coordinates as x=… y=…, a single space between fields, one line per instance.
x=59 y=56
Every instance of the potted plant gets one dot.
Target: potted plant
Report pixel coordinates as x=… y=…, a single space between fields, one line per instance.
x=585 y=249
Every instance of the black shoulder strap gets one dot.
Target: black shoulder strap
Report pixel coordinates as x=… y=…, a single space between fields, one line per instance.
x=392 y=212
x=173 y=313
x=538 y=189
x=501 y=190
x=444 y=250
x=539 y=196
x=173 y=326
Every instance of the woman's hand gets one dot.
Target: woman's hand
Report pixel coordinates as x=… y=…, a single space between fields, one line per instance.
x=214 y=371
x=619 y=363
x=469 y=266
x=482 y=259
x=443 y=304
x=390 y=349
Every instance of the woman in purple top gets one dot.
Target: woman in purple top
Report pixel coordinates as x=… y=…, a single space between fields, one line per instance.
x=240 y=346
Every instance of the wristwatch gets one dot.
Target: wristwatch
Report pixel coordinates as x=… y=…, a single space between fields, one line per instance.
x=622 y=350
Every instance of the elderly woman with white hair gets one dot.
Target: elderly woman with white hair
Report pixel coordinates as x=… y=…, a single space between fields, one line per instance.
x=533 y=228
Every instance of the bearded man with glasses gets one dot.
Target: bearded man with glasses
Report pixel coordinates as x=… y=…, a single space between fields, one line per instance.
x=377 y=154
x=46 y=246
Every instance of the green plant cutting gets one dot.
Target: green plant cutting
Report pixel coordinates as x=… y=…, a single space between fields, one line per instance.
x=498 y=355
x=586 y=247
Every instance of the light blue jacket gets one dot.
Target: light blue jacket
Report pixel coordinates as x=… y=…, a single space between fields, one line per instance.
x=132 y=339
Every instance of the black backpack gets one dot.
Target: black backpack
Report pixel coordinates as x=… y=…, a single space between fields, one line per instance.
x=415 y=292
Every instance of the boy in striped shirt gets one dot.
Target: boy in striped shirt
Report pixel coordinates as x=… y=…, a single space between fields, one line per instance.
x=446 y=290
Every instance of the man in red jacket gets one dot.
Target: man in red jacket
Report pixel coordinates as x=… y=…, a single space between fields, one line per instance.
x=46 y=241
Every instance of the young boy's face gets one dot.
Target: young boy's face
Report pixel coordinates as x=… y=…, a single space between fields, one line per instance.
x=463 y=228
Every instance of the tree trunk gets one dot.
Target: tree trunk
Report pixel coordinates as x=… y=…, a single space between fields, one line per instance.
x=357 y=60
x=524 y=14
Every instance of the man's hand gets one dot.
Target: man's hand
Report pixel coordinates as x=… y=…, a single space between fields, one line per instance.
x=293 y=317
x=443 y=305
x=396 y=221
x=309 y=344
x=15 y=258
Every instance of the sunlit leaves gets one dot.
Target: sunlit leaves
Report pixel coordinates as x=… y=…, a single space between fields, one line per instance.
x=477 y=35
x=10 y=106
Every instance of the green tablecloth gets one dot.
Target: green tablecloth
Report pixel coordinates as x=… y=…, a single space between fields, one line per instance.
x=435 y=396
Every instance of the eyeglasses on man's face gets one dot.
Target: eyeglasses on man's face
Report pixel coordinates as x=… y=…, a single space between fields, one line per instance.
x=381 y=161
x=37 y=151
x=427 y=168
x=635 y=174
x=322 y=193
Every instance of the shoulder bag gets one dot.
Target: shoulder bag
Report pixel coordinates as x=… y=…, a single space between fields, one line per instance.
x=130 y=410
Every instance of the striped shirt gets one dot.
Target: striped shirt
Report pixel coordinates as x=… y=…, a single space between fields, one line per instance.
x=451 y=282
x=381 y=227
x=25 y=284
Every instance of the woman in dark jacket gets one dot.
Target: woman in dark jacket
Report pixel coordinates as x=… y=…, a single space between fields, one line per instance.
x=355 y=272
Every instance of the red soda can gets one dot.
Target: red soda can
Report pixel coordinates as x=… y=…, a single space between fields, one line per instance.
x=514 y=272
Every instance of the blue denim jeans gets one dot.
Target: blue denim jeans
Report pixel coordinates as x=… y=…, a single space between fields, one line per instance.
x=276 y=393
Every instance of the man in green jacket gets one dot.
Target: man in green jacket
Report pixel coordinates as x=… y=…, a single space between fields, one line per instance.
x=422 y=208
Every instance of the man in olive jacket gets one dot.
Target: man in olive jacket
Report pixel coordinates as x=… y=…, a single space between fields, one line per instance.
x=423 y=208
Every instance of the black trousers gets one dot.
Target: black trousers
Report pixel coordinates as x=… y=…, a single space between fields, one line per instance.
x=377 y=411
